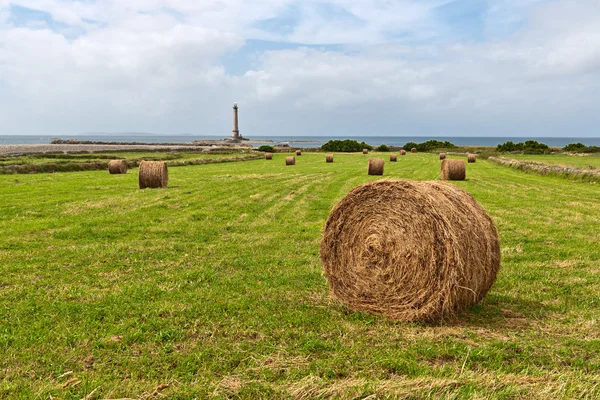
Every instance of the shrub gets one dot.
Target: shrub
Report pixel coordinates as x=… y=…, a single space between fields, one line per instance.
x=575 y=147
x=345 y=146
x=266 y=149
x=529 y=146
x=429 y=145
x=383 y=148
x=409 y=145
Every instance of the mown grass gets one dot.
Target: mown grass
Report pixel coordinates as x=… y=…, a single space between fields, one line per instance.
x=591 y=161
x=213 y=287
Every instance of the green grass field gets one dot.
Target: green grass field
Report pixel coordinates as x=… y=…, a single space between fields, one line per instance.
x=591 y=161
x=214 y=287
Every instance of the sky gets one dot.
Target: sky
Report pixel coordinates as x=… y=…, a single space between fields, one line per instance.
x=301 y=67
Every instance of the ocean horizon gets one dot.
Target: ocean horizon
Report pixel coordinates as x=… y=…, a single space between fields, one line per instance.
x=299 y=141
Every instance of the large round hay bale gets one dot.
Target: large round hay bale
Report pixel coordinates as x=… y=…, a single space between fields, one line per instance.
x=413 y=251
x=329 y=158
x=402 y=152
x=376 y=166
x=453 y=170
x=290 y=161
x=117 y=167
x=393 y=157
x=413 y=150
x=365 y=151
x=442 y=156
x=153 y=174
x=472 y=158
x=268 y=156
x=298 y=152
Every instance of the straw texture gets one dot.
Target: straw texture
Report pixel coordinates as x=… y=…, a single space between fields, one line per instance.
x=153 y=174
x=413 y=251
x=453 y=170
x=376 y=166
x=117 y=167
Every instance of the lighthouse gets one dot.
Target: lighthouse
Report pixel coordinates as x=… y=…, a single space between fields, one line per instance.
x=236 y=130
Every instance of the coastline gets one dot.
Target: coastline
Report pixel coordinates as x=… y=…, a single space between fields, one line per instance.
x=14 y=149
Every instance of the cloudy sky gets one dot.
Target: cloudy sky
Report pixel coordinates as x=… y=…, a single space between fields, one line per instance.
x=301 y=67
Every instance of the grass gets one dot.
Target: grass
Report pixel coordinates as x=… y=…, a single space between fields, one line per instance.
x=213 y=287
x=591 y=161
x=51 y=163
x=106 y=156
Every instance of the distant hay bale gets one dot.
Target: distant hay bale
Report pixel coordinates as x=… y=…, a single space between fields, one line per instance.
x=453 y=170
x=365 y=151
x=412 y=251
x=376 y=166
x=117 y=167
x=290 y=161
x=442 y=156
x=153 y=174
x=298 y=152
x=329 y=158
x=393 y=157
x=402 y=152
x=471 y=158
x=413 y=150
x=268 y=156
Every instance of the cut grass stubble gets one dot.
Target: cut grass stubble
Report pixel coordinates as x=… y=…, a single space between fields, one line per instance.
x=214 y=286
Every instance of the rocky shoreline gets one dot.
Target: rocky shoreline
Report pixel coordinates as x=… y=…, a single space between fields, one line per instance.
x=14 y=149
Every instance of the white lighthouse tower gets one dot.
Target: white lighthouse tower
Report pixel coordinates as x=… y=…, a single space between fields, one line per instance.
x=236 y=130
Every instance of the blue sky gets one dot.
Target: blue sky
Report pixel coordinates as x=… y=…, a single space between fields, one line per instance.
x=380 y=67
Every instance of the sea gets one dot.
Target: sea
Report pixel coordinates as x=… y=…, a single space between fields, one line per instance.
x=299 y=141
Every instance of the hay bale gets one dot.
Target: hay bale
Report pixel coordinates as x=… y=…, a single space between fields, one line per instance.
x=402 y=152
x=413 y=251
x=442 y=156
x=298 y=153
x=117 y=167
x=376 y=166
x=290 y=161
x=268 y=156
x=393 y=157
x=471 y=158
x=153 y=174
x=413 y=150
x=365 y=151
x=453 y=170
x=329 y=158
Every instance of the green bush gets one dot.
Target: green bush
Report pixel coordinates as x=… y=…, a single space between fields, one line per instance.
x=266 y=149
x=581 y=148
x=383 y=148
x=429 y=145
x=575 y=147
x=345 y=146
x=529 y=146
x=409 y=145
